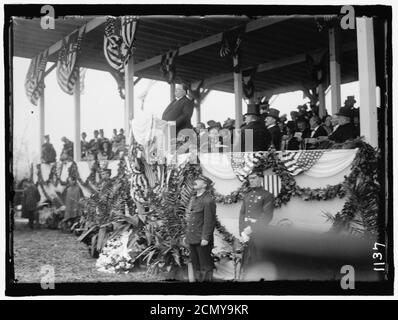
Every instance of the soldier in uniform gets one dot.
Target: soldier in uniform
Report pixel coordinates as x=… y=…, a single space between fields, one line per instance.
x=255 y=214
x=201 y=222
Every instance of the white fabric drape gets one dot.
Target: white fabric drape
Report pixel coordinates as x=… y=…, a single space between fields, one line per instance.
x=331 y=163
x=83 y=167
x=218 y=164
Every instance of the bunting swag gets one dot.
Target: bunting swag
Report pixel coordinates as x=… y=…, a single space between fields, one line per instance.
x=119 y=40
x=317 y=70
x=167 y=66
x=230 y=46
x=34 y=82
x=247 y=82
x=67 y=66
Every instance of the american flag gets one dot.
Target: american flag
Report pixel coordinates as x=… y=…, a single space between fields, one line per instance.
x=243 y=163
x=167 y=65
x=299 y=161
x=34 y=82
x=67 y=66
x=119 y=39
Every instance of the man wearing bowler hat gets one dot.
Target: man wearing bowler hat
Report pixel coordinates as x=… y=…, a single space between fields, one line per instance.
x=346 y=130
x=261 y=137
x=271 y=123
x=180 y=109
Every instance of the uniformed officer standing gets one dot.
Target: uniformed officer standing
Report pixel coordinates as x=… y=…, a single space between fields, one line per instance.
x=201 y=222
x=255 y=214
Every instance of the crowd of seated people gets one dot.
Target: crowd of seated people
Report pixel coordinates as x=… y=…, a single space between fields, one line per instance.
x=305 y=131
x=98 y=148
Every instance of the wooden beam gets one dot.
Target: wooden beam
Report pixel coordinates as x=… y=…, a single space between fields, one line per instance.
x=172 y=91
x=91 y=25
x=335 y=74
x=322 y=103
x=42 y=120
x=76 y=142
x=48 y=71
x=238 y=99
x=367 y=80
x=129 y=97
x=273 y=65
x=251 y=26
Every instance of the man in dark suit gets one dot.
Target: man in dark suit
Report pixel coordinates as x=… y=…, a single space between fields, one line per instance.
x=180 y=109
x=261 y=136
x=317 y=130
x=346 y=130
x=271 y=123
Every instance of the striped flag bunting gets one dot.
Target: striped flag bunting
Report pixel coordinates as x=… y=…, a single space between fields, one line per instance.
x=230 y=46
x=273 y=184
x=34 y=81
x=297 y=162
x=119 y=40
x=247 y=82
x=167 y=65
x=67 y=65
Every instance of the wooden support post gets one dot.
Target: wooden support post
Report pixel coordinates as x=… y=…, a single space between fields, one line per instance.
x=367 y=80
x=41 y=121
x=335 y=76
x=76 y=140
x=129 y=97
x=321 y=97
x=197 y=109
x=172 y=91
x=238 y=99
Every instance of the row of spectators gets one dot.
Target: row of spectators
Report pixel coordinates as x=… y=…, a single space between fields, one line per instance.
x=305 y=130
x=98 y=148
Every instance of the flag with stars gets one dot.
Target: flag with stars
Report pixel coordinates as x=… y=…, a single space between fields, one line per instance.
x=297 y=162
x=34 y=82
x=243 y=163
x=67 y=65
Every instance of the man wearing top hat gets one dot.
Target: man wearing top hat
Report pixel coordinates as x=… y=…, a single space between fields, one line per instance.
x=180 y=109
x=271 y=123
x=346 y=129
x=261 y=137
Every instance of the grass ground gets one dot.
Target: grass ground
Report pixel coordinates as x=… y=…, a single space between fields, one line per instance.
x=71 y=260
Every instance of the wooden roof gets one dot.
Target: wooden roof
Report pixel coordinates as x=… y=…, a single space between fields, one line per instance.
x=279 y=47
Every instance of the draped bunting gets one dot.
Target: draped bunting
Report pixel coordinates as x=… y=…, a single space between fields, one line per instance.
x=299 y=161
x=332 y=163
x=247 y=82
x=119 y=40
x=231 y=46
x=34 y=82
x=67 y=66
x=167 y=66
x=317 y=70
x=314 y=163
x=151 y=133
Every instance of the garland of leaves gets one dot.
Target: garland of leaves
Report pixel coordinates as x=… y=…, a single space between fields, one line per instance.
x=360 y=185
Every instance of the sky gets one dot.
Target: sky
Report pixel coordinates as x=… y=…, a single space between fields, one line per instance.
x=102 y=108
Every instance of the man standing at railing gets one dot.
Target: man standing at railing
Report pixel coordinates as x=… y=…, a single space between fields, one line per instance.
x=180 y=109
